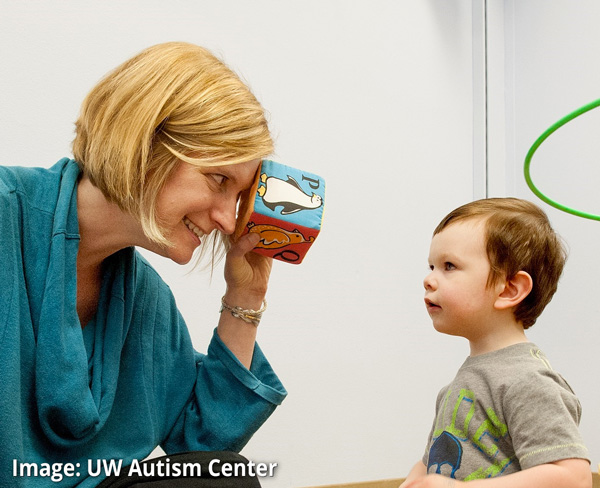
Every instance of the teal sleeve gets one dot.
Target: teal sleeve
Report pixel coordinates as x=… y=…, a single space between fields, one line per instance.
x=10 y=350
x=8 y=263
x=228 y=403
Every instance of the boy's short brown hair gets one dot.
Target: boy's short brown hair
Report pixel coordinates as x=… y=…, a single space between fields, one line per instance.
x=519 y=237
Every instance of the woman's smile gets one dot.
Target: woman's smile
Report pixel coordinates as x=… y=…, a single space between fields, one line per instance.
x=193 y=228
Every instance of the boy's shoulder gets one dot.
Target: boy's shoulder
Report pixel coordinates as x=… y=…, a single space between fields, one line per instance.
x=514 y=357
x=516 y=370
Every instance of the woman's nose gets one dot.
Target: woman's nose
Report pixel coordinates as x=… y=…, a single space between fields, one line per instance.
x=224 y=216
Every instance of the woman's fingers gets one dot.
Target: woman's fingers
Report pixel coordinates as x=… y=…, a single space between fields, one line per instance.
x=244 y=244
x=246 y=271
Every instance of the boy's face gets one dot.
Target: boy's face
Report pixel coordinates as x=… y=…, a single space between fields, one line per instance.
x=456 y=293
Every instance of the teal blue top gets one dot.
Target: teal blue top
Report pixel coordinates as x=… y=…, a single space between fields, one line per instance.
x=130 y=380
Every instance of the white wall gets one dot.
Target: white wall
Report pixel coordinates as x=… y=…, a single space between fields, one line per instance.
x=376 y=97
x=551 y=68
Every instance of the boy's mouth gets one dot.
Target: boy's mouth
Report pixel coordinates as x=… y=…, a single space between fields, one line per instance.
x=431 y=305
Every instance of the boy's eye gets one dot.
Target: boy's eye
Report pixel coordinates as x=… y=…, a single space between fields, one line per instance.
x=449 y=266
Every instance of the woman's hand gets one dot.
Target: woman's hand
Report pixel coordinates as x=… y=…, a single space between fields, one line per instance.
x=247 y=277
x=247 y=273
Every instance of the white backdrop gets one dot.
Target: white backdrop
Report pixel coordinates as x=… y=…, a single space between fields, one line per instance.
x=378 y=98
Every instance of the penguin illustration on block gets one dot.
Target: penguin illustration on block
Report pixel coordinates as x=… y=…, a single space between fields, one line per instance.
x=286 y=193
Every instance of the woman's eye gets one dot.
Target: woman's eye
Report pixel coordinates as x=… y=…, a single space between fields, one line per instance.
x=220 y=179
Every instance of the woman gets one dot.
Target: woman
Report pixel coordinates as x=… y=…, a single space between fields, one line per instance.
x=97 y=361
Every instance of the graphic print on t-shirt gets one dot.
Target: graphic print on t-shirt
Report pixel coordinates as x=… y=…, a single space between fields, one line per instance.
x=446 y=449
x=455 y=433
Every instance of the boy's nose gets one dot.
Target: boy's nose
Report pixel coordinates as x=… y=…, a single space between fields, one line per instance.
x=429 y=282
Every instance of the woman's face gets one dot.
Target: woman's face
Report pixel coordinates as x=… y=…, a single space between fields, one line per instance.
x=195 y=201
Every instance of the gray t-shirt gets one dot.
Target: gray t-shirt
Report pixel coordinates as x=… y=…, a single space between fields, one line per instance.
x=505 y=411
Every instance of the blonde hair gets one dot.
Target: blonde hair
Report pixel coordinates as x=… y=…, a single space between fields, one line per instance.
x=519 y=237
x=172 y=102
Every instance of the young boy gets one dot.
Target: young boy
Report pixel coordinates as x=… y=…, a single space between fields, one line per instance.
x=507 y=419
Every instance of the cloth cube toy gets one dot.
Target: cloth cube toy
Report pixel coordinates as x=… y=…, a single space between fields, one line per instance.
x=285 y=208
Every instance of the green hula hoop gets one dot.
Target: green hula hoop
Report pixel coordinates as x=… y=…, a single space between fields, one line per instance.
x=538 y=142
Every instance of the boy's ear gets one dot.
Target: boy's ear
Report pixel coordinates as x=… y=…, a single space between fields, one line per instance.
x=515 y=290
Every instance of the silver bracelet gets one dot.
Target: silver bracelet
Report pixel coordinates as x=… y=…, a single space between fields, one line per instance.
x=247 y=315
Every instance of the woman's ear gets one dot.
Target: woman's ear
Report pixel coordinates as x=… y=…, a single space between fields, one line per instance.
x=515 y=290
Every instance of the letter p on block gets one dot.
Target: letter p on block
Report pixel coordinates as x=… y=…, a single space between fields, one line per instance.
x=284 y=207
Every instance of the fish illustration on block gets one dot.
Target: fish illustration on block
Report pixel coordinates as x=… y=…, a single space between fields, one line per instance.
x=285 y=207
x=274 y=237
